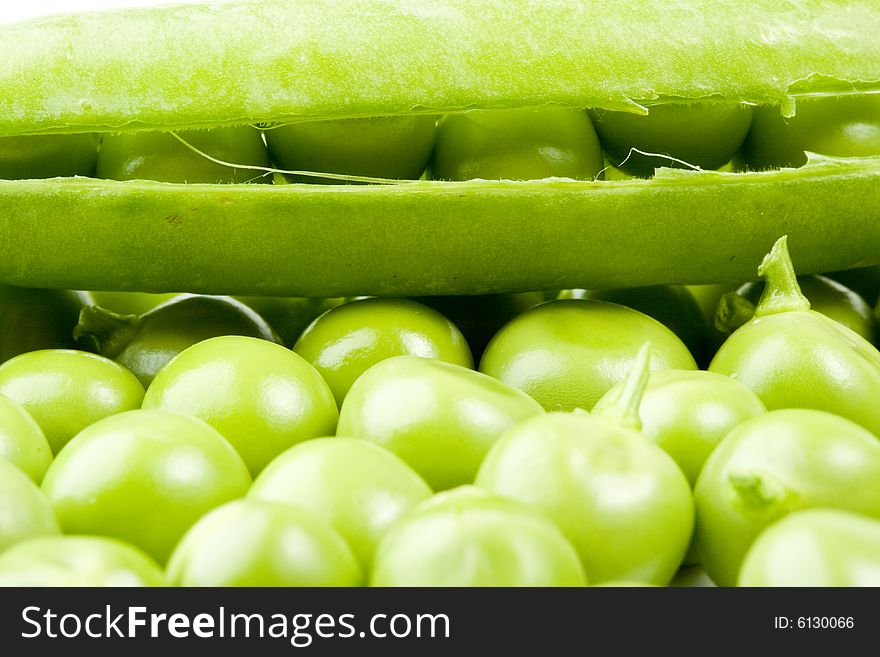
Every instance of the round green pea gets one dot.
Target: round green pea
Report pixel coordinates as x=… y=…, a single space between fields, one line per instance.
x=481 y=316
x=802 y=359
x=671 y=305
x=467 y=537
x=22 y=441
x=772 y=465
x=439 y=418
x=844 y=126
x=48 y=156
x=144 y=477
x=622 y=501
x=688 y=412
x=356 y=486
x=394 y=147
x=33 y=318
x=262 y=397
x=65 y=561
x=260 y=543
x=705 y=135
x=144 y=345
x=815 y=547
x=517 y=144
x=66 y=390
x=158 y=155
x=129 y=303
x=289 y=316
x=566 y=354
x=24 y=510
x=830 y=298
x=864 y=281
x=349 y=339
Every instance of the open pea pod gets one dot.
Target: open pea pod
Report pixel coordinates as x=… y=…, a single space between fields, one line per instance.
x=248 y=62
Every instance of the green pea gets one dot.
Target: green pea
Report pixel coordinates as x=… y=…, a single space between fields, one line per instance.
x=826 y=296
x=358 y=487
x=689 y=412
x=347 y=340
x=844 y=126
x=468 y=537
x=32 y=319
x=772 y=465
x=24 y=510
x=708 y=297
x=259 y=543
x=64 y=561
x=673 y=306
x=481 y=316
x=864 y=281
x=289 y=316
x=67 y=390
x=517 y=144
x=22 y=441
x=566 y=354
x=794 y=357
x=145 y=344
x=262 y=397
x=815 y=547
x=621 y=500
x=440 y=418
x=129 y=303
x=396 y=147
x=704 y=135
x=160 y=156
x=143 y=476
x=48 y=156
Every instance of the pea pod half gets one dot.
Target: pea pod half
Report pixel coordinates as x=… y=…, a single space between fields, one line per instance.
x=210 y=65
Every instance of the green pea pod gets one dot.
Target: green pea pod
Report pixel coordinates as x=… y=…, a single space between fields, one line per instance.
x=208 y=65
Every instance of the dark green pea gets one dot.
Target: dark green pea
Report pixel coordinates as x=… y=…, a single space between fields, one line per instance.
x=481 y=316
x=289 y=316
x=517 y=144
x=48 y=156
x=129 y=303
x=160 y=156
x=701 y=134
x=394 y=147
x=845 y=126
x=707 y=298
x=865 y=281
x=32 y=319
x=144 y=344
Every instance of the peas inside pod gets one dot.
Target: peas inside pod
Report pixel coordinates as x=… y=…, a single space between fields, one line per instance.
x=513 y=144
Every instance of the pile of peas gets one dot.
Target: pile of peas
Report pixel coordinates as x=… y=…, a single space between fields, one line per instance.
x=552 y=438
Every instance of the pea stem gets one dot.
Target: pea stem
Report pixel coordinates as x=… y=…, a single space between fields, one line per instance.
x=625 y=408
x=781 y=290
x=759 y=493
x=733 y=311
x=109 y=332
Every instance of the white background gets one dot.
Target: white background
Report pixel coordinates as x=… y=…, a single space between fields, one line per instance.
x=13 y=10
